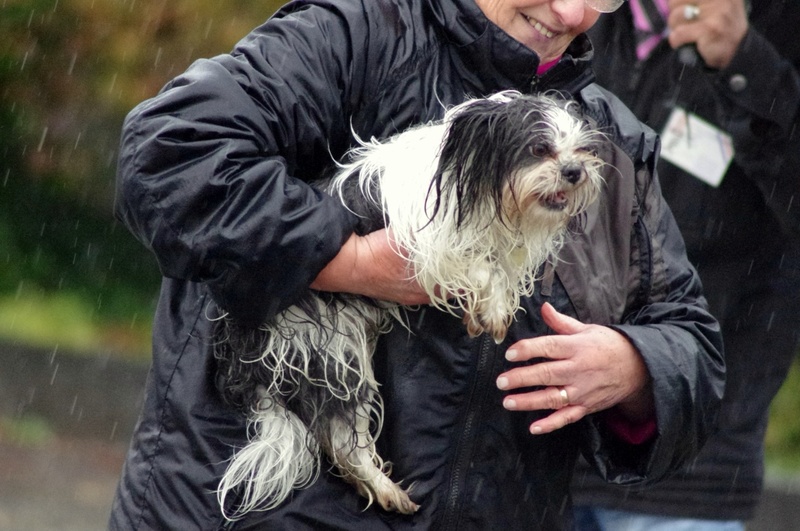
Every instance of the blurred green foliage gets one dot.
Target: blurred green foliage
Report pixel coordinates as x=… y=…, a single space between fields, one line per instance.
x=783 y=433
x=69 y=72
x=26 y=430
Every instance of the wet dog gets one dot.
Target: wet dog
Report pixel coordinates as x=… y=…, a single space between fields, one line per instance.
x=477 y=202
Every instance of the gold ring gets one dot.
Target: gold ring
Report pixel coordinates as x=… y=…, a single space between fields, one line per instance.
x=691 y=12
x=564 y=396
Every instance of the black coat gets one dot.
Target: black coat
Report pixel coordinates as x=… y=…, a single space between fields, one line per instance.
x=212 y=178
x=742 y=236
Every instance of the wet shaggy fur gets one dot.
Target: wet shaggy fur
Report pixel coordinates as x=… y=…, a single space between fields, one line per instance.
x=478 y=201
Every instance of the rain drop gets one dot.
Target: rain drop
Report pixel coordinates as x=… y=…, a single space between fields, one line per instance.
x=53 y=377
x=72 y=63
x=42 y=139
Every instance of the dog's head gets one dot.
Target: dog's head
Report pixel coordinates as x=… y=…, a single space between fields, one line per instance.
x=521 y=156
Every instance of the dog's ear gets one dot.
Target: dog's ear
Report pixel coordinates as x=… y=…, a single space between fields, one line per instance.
x=475 y=158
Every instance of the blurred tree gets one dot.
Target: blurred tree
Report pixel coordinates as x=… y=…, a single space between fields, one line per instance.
x=69 y=72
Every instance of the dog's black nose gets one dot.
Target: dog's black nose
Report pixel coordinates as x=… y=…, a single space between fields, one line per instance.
x=572 y=173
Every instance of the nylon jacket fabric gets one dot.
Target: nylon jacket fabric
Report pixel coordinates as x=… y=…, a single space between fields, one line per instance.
x=213 y=179
x=741 y=236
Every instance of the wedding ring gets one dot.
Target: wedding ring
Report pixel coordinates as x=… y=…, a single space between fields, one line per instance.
x=564 y=396
x=691 y=12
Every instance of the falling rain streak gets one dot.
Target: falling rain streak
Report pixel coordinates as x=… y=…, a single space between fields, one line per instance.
x=42 y=139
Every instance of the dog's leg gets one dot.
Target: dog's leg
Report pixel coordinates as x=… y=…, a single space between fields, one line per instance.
x=360 y=465
x=491 y=308
x=350 y=442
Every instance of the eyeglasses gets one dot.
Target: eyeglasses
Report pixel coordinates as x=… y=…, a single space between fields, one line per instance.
x=605 y=6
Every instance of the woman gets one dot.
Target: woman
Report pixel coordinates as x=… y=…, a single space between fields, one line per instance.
x=212 y=177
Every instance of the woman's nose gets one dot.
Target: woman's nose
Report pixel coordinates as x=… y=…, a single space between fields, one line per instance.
x=569 y=12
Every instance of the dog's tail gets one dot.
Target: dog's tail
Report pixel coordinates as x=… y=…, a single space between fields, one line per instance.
x=281 y=457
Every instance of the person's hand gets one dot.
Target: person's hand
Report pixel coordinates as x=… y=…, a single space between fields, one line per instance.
x=717 y=29
x=587 y=368
x=373 y=266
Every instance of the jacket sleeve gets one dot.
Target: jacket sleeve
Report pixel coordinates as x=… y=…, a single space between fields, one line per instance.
x=759 y=103
x=213 y=172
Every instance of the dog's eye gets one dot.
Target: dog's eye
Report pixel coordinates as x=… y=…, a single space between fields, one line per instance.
x=591 y=150
x=540 y=149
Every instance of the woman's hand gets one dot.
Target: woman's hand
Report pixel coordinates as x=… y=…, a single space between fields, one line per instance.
x=588 y=368
x=717 y=29
x=373 y=266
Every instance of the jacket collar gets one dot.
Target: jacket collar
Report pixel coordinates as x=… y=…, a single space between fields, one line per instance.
x=491 y=54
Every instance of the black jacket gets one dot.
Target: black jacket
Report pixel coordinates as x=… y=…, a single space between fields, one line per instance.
x=741 y=236
x=212 y=178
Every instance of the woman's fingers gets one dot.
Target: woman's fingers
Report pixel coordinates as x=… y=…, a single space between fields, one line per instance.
x=558 y=419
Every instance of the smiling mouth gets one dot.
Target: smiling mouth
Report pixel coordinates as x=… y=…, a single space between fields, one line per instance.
x=538 y=27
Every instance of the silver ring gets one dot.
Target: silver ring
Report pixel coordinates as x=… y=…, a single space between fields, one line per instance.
x=691 y=12
x=564 y=396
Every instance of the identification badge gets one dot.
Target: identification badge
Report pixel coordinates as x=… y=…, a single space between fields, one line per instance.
x=696 y=146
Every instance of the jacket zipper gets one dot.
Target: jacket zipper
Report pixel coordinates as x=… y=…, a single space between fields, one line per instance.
x=466 y=440
x=646 y=265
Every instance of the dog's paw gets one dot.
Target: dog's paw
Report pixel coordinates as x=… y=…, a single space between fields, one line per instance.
x=388 y=494
x=474 y=327
x=499 y=335
x=397 y=500
x=477 y=324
